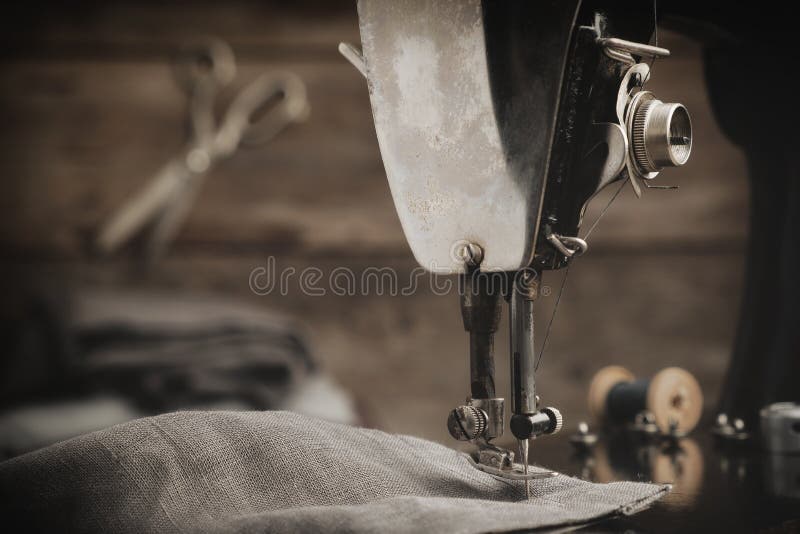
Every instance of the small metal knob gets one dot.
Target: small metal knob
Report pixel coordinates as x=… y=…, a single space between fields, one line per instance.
x=583 y=439
x=661 y=134
x=556 y=418
x=467 y=423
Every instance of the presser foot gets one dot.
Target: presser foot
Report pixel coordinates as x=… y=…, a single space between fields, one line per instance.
x=500 y=462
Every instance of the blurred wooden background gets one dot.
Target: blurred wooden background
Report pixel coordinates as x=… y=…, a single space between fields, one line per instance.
x=89 y=110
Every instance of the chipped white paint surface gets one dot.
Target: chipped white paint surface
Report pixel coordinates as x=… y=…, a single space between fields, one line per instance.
x=431 y=101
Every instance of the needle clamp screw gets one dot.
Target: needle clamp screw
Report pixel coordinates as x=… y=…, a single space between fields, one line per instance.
x=467 y=423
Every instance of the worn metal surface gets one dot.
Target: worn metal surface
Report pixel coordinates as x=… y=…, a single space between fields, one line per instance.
x=459 y=166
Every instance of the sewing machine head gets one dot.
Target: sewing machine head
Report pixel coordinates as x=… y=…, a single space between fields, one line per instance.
x=497 y=123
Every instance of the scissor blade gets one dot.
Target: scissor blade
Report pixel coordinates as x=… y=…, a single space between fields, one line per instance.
x=140 y=210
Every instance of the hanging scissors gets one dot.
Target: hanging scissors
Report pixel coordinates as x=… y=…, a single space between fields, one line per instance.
x=256 y=115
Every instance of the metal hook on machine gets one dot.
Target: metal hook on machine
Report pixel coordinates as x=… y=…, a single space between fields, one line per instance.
x=568 y=246
x=623 y=51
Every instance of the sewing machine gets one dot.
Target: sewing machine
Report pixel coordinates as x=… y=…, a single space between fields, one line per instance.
x=498 y=122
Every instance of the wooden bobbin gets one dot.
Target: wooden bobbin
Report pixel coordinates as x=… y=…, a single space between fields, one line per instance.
x=672 y=396
x=605 y=379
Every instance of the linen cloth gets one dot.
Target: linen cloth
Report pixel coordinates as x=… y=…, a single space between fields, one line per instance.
x=283 y=472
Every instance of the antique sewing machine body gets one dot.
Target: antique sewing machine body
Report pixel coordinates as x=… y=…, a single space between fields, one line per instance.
x=497 y=124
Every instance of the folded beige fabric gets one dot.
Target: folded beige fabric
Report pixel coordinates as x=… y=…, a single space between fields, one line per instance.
x=283 y=472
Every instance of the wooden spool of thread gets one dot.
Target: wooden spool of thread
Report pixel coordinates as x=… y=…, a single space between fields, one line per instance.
x=672 y=396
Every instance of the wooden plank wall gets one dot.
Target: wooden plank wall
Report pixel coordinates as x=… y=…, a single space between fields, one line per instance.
x=89 y=110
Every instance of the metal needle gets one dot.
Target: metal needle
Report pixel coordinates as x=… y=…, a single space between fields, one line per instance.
x=523 y=449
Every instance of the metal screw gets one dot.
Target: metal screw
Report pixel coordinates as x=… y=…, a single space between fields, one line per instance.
x=472 y=254
x=467 y=423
